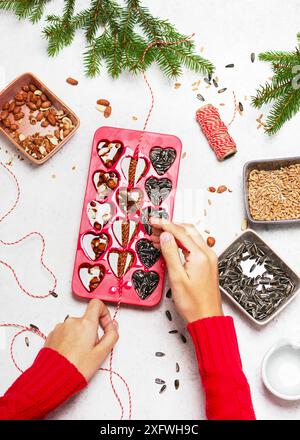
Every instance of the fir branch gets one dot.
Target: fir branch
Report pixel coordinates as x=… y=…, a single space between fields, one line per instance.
x=284 y=88
x=126 y=32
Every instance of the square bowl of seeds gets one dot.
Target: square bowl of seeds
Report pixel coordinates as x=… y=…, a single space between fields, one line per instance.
x=34 y=119
x=256 y=279
x=272 y=190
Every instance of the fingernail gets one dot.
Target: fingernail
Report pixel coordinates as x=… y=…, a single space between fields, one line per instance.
x=165 y=236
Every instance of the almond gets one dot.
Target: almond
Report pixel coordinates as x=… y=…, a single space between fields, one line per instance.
x=52 y=119
x=16 y=110
x=46 y=104
x=32 y=106
x=211 y=189
x=19 y=97
x=72 y=81
x=44 y=97
x=32 y=87
x=45 y=124
x=11 y=106
x=40 y=116
x=25 y=88
x=103 y=102
x=210 y=241
x=221 y=189
x=107 y=111
x=3 y=115
x=19 y=116
x=14 y=127
x=5 y=106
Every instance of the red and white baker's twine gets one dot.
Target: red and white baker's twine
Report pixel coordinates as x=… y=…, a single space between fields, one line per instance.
x=22 y=328
x=216 y=131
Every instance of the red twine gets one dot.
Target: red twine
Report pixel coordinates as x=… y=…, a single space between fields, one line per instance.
x=216 y=131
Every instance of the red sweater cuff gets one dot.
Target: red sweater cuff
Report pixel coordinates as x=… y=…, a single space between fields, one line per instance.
x=215 y=343
x=50 y=381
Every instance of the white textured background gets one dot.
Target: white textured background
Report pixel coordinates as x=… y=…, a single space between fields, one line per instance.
x=229 y=30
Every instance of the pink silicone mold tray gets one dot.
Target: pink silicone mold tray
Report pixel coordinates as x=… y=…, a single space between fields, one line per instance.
x=114 y=252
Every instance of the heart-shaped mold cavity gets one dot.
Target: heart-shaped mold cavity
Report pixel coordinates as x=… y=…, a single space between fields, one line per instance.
x=120 y=261
x=109 y=152
x=149 y=212
x=91 y=276
x=147 y=253
x=124 y=230
x=162 y=159
x=158 y=189
x=105 y=183
x=130 y=200
x=99 y=213
x=145 y=282
x=133 y=169
x=94 y=245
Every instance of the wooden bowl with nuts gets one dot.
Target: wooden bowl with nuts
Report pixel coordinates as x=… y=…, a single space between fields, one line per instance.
x=34 y=119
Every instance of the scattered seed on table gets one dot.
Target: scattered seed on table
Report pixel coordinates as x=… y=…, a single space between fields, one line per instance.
x=215 y=83
x=200 y=97
x=183 y=155
x=183 y=338
x=27 y=341
x=222 y=90
x=168 y=315
x=169 y=293
x=163 y=388
x=160 y=381
x=177 y=367
x=173 y=332
x=209 y=201
x=252 y=268
x=159 y=354
x=252 y=57
x=34 y=327
x=229 y=66
x=176 y=384
x=241 y=107
x=53 y=293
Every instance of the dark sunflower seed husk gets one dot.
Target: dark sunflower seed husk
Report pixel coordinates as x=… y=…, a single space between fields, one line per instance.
x=163 y=388
x=252 y=57
x=34 y=327
x=229 y=66
x=200 y=97
x=173 y=332
x=169 y=293
x=177 y=367
x=160 y=381
x=168 y=315
x=27 y=341
x=159 y=354
x=53 y=293
x=215 y=83
x=176 y=384
x=241 y=107
x=183 y=338
x=222 y=90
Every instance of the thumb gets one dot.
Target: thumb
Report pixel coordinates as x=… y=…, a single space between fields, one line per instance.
x=170 y=253
x=107 y=341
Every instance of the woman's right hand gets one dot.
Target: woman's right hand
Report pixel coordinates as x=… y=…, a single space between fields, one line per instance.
x=195 y=282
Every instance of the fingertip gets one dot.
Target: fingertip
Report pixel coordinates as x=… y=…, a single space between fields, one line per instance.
x=165 y=237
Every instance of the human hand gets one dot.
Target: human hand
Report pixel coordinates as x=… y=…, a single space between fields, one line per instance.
x=77 y=338
x=195 y=282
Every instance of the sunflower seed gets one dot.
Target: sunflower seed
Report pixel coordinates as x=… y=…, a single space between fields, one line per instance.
x=173 y=332
x=169 y=293
x=163 y=388
x=159 y=354
x=200 y=97
x=34 y=327
x=183 y=338
x=222 y=90
x=159 y=381
x=252 y=56
x=215 y=83
x=176 y=384
x=241 y=107
x=168 y=315
x=177 y=367
x=229 y=66
x=27 y=341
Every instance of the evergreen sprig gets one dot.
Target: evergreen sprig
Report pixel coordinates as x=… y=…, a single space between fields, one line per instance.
x=116 y=36
x=283 y=90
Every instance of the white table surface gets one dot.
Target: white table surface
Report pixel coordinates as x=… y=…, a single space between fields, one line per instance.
x=229 y=30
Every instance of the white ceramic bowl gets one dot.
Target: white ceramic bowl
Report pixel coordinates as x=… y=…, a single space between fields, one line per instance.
x=281 y=369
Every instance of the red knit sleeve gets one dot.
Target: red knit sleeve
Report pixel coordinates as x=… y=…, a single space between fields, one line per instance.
x=50 y=381
x=225 y=385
